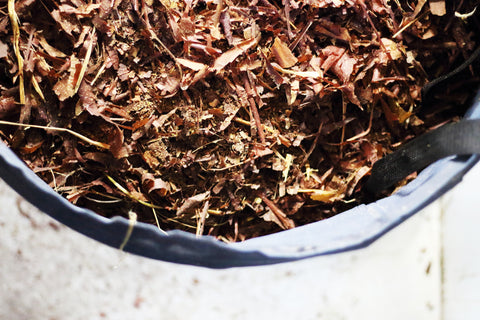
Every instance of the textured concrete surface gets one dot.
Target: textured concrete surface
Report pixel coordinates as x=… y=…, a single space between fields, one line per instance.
x=461 y=249
x=427 y=268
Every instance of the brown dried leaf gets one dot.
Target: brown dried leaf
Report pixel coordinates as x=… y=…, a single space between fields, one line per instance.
x=230 y=110
x=66 y=22
x=438 y=7
x=292 y=91
x=106 y=7
x=393 y=49
x=4 y=22
x=3 y=50
x=100 y=157
x=151 y=184
x=168 y=85
x=327 y=196
x=323 y=3
x=115 y=110
x=7 y=106
x=333 y=30
x=331 y=55
x=52 y=51
x=349 y=91
x=112 y=59
x=227 y=28
x=276 y=77
x=355 y=178
x=31 y=147
x=341 y=63
x=283 y=55
x=193 y=202
x=196 y=66
x=117 y=146
x=65 y=88
x=102 y=25
x=88 y=100
x=229 y=56
x=379 y=6
x=191 y=78
x=300 y=74
x=82 y=10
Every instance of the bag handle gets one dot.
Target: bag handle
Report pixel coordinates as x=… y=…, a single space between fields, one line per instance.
x=462 y=138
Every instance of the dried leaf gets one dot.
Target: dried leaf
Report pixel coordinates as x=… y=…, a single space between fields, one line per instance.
x=192 y=202
x=32 y=147
x=327 y=196
x=157 y=185
x=7 y=106
x=202 y=217
x=117 y=147
x=196 y=66
x=276 y=215
x=333 y=30
x=283 y=55
x=292 y=91
x=438 y=7
x=341 y=63
x=66 y=22
x=227 y=28
x=229 y=56
x=88 y=100
x=300 y=74
x=355 y=179
x=65 y=88
x=393 y=49
x=3 y=50
x=276 y=77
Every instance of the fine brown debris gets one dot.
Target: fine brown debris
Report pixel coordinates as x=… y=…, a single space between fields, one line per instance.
x=229 y=118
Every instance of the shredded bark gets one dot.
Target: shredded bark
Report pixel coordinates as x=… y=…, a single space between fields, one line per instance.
x=229 y=118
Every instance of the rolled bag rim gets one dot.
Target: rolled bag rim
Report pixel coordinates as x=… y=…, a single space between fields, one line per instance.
x=349 y=230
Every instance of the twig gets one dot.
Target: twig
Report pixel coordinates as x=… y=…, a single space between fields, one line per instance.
x=130 y=195
x=132 y=220
x=405 y=27
x=365 y=132
x=37 y=88
x=202 y=216
x=76 y=134
x=294 y=44
x=281 y=216
x=85 y=61
x=313 y=146
x=157 y=222
x=147 y=204
x=286 y=5
x=254 y=110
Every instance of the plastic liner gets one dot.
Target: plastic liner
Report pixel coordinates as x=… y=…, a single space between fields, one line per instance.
x=352 y=229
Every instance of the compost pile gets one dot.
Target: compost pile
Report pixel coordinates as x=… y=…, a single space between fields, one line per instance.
x=229 y=118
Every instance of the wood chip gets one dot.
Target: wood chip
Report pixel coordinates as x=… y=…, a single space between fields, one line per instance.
x=283 y=55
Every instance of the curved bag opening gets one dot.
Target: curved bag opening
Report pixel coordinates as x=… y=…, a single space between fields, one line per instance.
x=352 y=229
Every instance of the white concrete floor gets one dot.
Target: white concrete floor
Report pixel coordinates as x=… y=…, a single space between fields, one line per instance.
x=427 y=268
